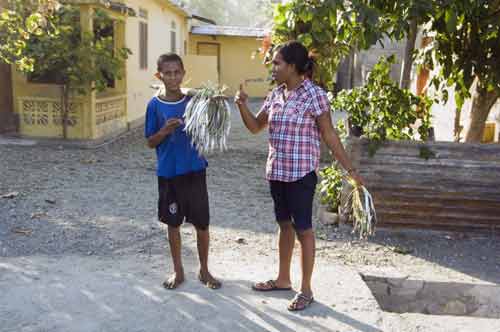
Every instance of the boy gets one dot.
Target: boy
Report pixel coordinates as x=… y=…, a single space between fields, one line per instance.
x=181 y=170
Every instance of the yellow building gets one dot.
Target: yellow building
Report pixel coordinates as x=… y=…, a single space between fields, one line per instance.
x=148 y=28
x=160 y=27
x=236 y=51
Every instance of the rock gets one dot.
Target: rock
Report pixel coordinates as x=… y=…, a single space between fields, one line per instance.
x=22 y=231
x=400 y=250
x=50 y=201
x=88 y=161
x=11 y=195
x=241 y=240
x=38 y=215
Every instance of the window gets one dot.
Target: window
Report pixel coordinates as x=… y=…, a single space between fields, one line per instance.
x=173 y=38
x=143 y=45
x=143 y=39
x=173 y=41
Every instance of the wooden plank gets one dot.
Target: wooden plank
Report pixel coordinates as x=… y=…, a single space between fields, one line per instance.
x=433 y=200
x=444 y=215
x=436 y=208
x=384 y=218
x=448 y=228
x=459 y=188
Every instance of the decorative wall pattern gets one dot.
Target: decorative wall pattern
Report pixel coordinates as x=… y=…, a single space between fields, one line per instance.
x=110 y=109
x=47 y=112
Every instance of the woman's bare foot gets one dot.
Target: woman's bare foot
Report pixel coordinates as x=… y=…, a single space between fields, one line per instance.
x=175 y=280
x=208 y=280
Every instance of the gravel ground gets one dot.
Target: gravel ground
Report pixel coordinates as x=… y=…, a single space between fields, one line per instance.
x=102 y=202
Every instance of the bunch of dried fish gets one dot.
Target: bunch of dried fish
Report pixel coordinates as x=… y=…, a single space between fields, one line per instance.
x=360 y=209
x=208 y=119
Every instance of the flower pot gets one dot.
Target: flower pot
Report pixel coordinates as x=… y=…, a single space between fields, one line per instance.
x=326 y=217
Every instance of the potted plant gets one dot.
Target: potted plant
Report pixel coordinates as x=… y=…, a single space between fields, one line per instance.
x=330 y=189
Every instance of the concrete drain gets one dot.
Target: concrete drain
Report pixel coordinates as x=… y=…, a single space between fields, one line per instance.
x=401 y=295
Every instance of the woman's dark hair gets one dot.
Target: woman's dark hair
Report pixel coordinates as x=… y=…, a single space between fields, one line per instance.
x=169 y=57
x=295 y=53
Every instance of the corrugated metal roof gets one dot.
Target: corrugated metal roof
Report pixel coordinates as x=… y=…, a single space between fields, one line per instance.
x=221 y=30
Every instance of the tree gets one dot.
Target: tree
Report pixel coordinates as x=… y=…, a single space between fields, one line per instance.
x=234 y=12
x=466 y=48
x=331 y=29
x=43 y=39
x=382 y=109
x=401 y=19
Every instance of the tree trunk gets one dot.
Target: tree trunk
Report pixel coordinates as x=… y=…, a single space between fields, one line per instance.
x=482 y=102
x=457 y=127
x=408 y=59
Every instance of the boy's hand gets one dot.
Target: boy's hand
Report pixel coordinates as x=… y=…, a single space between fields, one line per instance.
x=241 y=96
x=170 y=125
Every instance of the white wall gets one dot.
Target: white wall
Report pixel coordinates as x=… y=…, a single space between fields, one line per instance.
x=365 y=60
x=443 y=118
x=159 y=27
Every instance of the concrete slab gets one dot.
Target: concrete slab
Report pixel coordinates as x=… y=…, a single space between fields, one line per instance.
x=94 y=294
x=17 y=141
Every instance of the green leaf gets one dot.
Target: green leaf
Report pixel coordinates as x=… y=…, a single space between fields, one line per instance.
x=305 y=39
x=33 y=22
x=451 y=20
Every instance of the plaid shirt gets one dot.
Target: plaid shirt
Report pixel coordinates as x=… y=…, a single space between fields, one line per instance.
x=294 y=137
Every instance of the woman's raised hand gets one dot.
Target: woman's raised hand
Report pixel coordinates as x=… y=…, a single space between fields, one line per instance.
x=241 y=96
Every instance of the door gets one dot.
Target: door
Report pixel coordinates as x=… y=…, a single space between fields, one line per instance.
x=212 y=49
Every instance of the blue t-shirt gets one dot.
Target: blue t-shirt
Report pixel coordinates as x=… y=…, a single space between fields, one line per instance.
x=176 y=155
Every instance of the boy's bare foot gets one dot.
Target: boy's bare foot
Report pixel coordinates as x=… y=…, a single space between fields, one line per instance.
x=175 y=280
x=208 y=280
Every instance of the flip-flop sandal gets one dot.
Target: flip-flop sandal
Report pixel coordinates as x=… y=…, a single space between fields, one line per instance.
x=300 y=302
x=269 y=286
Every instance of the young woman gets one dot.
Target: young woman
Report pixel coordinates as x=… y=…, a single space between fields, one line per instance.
x=297 y=113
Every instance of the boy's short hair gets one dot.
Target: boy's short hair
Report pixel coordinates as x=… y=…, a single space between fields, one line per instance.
x=169 y=57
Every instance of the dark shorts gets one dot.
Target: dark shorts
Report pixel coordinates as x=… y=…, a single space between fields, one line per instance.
x=184 y=197
x=293 y=201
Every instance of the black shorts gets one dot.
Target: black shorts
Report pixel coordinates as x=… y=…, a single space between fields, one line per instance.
x=184 y=197
x=293 y=201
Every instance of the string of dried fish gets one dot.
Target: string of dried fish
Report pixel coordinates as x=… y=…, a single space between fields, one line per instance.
x=208 y=119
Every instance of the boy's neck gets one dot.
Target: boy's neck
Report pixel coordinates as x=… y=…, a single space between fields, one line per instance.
x=172 y=95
